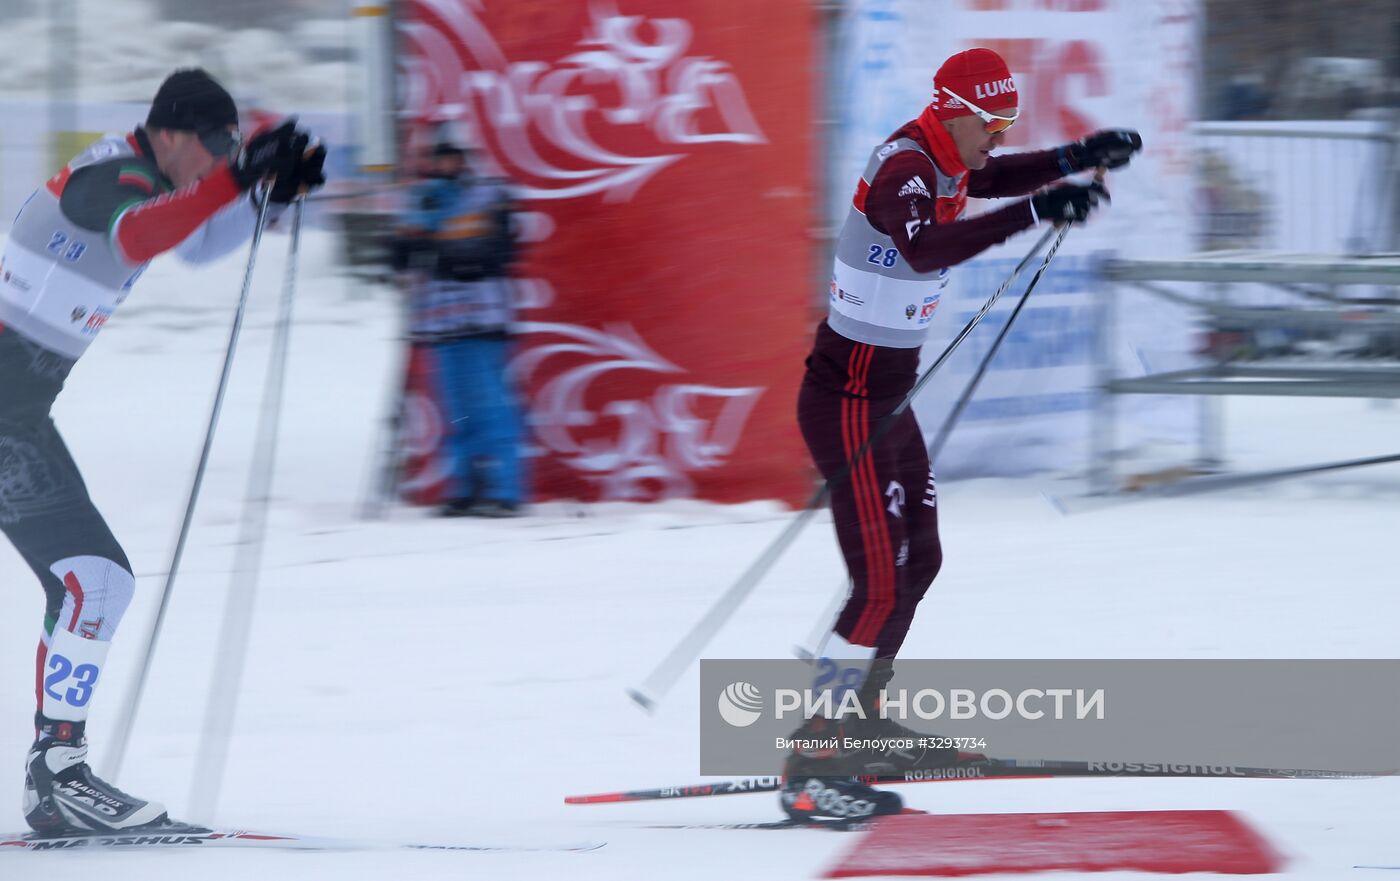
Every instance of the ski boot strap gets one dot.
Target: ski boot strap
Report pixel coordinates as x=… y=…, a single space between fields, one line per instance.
x=59 y=729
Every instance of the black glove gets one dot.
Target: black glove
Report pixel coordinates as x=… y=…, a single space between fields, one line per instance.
x=1069 y=202
x=1110 y=148
x=268 y=153
x=303 y=173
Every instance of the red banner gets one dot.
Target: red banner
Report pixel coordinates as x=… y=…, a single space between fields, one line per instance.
x=665 y=168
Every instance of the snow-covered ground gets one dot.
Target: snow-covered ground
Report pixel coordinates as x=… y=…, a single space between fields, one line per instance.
x=426 y=680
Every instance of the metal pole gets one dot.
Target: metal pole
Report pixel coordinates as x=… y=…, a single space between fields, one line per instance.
x=1210 y=423
x=1105 y=415
x=127 y=720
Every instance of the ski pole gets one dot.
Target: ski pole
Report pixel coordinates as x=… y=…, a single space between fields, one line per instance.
x=666 y=673
x=946 y=429
x=127 y=719
x=222 y=703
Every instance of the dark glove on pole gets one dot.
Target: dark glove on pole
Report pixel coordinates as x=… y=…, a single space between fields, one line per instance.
x=1069 y=202
x=266 y=154
x=1110 y=148
x=305 y=171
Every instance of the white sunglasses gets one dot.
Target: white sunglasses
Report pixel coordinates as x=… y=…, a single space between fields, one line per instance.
x=993 y=124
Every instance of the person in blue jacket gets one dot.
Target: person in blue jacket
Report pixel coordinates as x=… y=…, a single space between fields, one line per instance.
x=455 y=245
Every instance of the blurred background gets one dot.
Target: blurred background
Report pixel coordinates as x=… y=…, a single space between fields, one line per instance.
x=679 y=180
x=1262 y=59
x=677 y=173
x=1291 y=60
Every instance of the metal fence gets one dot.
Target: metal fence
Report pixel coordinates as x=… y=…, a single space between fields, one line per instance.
x=1313 y=187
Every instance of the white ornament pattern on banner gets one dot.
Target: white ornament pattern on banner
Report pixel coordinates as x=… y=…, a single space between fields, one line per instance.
x=527 y=104
x=653 y=444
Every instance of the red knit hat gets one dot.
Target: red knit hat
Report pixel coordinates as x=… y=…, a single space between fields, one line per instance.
x=979 y=76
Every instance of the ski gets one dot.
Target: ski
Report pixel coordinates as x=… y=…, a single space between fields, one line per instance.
x=776 y=824
x=981 y=768
x=157 y=839
x=853 y=825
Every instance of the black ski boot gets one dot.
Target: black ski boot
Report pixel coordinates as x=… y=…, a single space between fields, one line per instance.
x=820 y=783
x=825 y=776
x=63 y=797
x=835 y=800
